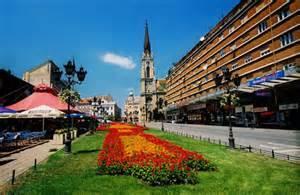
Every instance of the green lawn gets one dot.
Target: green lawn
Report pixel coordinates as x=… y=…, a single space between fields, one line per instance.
x=238 y=173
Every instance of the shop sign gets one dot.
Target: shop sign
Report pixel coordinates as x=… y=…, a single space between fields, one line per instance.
x=238 y=109
x=249 y=108
x=260 y=109
x=288 y=106
x=265 y=78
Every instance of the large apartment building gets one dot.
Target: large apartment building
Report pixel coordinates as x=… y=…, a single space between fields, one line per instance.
x=259 y=41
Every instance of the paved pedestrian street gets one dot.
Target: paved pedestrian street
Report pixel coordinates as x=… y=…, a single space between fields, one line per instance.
x=24 y=160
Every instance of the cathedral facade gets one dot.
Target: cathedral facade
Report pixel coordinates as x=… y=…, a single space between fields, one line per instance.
x=152 y=89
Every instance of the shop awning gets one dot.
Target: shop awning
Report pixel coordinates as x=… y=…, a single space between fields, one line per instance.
x=269 y=83
x=42 y=95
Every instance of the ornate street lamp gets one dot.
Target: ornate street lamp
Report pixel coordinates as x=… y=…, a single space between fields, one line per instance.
x=236 y=81
x=70 y=71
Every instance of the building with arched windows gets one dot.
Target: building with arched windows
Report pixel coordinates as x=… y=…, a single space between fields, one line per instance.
x=152 y=89
x=132 y=108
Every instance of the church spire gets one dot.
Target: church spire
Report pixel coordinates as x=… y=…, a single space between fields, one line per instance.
x=147 y=46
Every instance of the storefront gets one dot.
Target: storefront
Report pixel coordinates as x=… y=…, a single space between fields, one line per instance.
x=275 y=100
x=197 y=113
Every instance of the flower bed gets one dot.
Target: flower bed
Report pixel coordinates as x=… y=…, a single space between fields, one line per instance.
x=127 y=150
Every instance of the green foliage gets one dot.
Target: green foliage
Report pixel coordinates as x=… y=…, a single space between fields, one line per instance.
x=160 y=176
x=235 y=100
x=74 y=96
x=238 y=172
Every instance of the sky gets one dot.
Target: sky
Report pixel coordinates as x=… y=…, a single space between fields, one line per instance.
x=104 y=36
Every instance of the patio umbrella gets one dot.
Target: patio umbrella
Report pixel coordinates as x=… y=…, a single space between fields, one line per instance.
x=6 y=112
x=43 y=112
x=42 y=95
x=74 y=115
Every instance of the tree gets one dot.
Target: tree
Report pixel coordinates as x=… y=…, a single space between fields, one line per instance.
x=235 y=100
x=74 y=96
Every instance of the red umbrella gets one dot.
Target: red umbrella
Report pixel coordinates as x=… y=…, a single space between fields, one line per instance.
x=42 y=95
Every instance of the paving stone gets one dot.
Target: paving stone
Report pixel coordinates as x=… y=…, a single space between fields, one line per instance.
x=24 y=160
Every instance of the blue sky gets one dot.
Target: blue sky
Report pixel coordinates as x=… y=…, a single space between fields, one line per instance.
x=105 y=36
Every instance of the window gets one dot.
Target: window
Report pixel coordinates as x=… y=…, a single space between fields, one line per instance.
x=245 y=37
x=283 y=14
x=244 y=19
x=260 y=7
x=289 y=66
x=286 y=39
x=234 y=65
x=264 y=50
x=248 y=58
x=221 y=37
x=222 y=52
x=249 y=76
x=213 y=60
x=147 y=72
x=206 y=77
x=262 y=26
x=231 y=29
x=233 y=47
x=267 y=69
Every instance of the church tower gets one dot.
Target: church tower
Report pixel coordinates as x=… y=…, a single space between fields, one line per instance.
x=147 y=81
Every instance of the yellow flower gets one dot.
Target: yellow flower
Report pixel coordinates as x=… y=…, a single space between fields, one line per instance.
x=135 y=144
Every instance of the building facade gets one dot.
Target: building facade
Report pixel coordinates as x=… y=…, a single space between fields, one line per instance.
x=12 y=88
x=107 y=107
x=150 y=94
x=43 y=73
x=258 y=41
x=132 y=108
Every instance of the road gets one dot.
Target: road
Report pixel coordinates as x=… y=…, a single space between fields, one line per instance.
x=279 y=140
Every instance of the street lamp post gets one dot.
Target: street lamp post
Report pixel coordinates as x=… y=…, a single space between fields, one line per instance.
x=96 y=104
x=70 y=72
x=227 y=79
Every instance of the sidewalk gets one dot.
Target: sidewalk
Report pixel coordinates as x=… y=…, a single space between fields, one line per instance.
x=24 y=160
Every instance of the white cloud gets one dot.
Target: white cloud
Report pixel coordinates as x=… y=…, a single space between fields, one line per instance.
x=117 y=60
